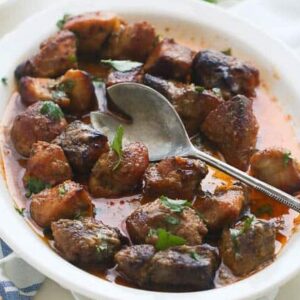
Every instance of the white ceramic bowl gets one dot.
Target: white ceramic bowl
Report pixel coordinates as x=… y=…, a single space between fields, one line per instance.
x=188 y=20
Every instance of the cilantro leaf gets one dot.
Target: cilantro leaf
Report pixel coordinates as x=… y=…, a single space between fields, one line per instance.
x=117 y=146
x=287 y=158
x=60 y=23
x=211 y=1
x=20 y=211
x=199 y=89
x=4 y=80
x=62 y=189
x=174 y=205
x=72 y=58
x=166 y=239
x=35 y=185
x=172 y=220
x=227 y=51
x=247 y=224
x=195 y=256
x=122 y=65
x=52 y=110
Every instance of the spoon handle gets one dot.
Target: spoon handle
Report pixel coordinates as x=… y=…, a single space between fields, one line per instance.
x=261 y=186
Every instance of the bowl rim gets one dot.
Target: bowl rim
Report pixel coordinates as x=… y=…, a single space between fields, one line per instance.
x=32 y=249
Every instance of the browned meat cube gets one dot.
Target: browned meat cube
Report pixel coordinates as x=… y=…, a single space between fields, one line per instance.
x=78 y=86
x=64 y=201
x=183 y=268
x=175 y=216
x=247 y=245
x=175 y=177
x=108 y=179
x=115 y=77
x=133 y=42
x=33 y=90
x=82 y=145
x=278 y=168
x=170 y=61
x=86 y=241
x=42 y=121
x=74 y=91
x=47 y=163
x=56 y=55
x=191 y=103
x=222 y=208
x=232 y=126
x=92 y=29
x=213 y=69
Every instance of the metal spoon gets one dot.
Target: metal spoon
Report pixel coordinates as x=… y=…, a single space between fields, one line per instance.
x=158 y=126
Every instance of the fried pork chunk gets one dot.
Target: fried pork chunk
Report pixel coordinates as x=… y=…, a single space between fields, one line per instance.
x=247 y=245
x=223 y=207
x=56 y=55
x=278 y=168
x=64 y=201
x=213 y=69
x=232 y=126
x=86 y=241
x=175 y=216
x=115 y=77
x=111 y=177
x=170 y=61
x=175 y=177
x=184 y=268
x=74 y=91
x=130 y=42
x=42 y=121
x=82 y=145
x=92 y=29
x=192 y=103
x=47 y=163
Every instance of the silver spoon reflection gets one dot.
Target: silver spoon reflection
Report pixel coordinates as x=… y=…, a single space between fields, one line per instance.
x=156 y=123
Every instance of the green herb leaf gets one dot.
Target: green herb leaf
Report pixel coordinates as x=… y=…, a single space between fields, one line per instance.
x=174 y=205
x=51 y=110
x=62 y=189
x=287 y=158
x=122 y=65
x=72 y=58
x=227 y=51
x=35 y=185
x=172 y=220
x=211 y=1
x=265 y=209
x=199 y=89
x=166 y=240
x=196 y=256
x=60 y=23
x=247 y=224
x=20 y=211
x=234 y=234
x=66 y=86
x=4 y=80
x=117 y=146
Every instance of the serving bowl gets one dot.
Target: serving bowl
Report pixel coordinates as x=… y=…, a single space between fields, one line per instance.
x=192 y=22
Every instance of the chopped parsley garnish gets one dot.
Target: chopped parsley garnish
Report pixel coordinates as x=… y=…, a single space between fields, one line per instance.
x=227 y=51
x=174 y=205
x=195 y=256
x=4 y=80
x=172 y=220
x=247 y=224
x=62 y=189
x=265 y=209
x=72 y=58
x=122 y=65
x=116 y=145
x=199 y=89
x=211 y=1
x=166 y=239
x=66 y=86
x=51 y=110
x=20 y=211
x=60 y=23
x=287 y=158
x=35 y=185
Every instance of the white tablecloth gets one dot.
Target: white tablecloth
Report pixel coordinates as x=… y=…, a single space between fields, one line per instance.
x=281 y=18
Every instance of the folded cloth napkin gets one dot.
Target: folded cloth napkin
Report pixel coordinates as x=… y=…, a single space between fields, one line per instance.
x=19 y=281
